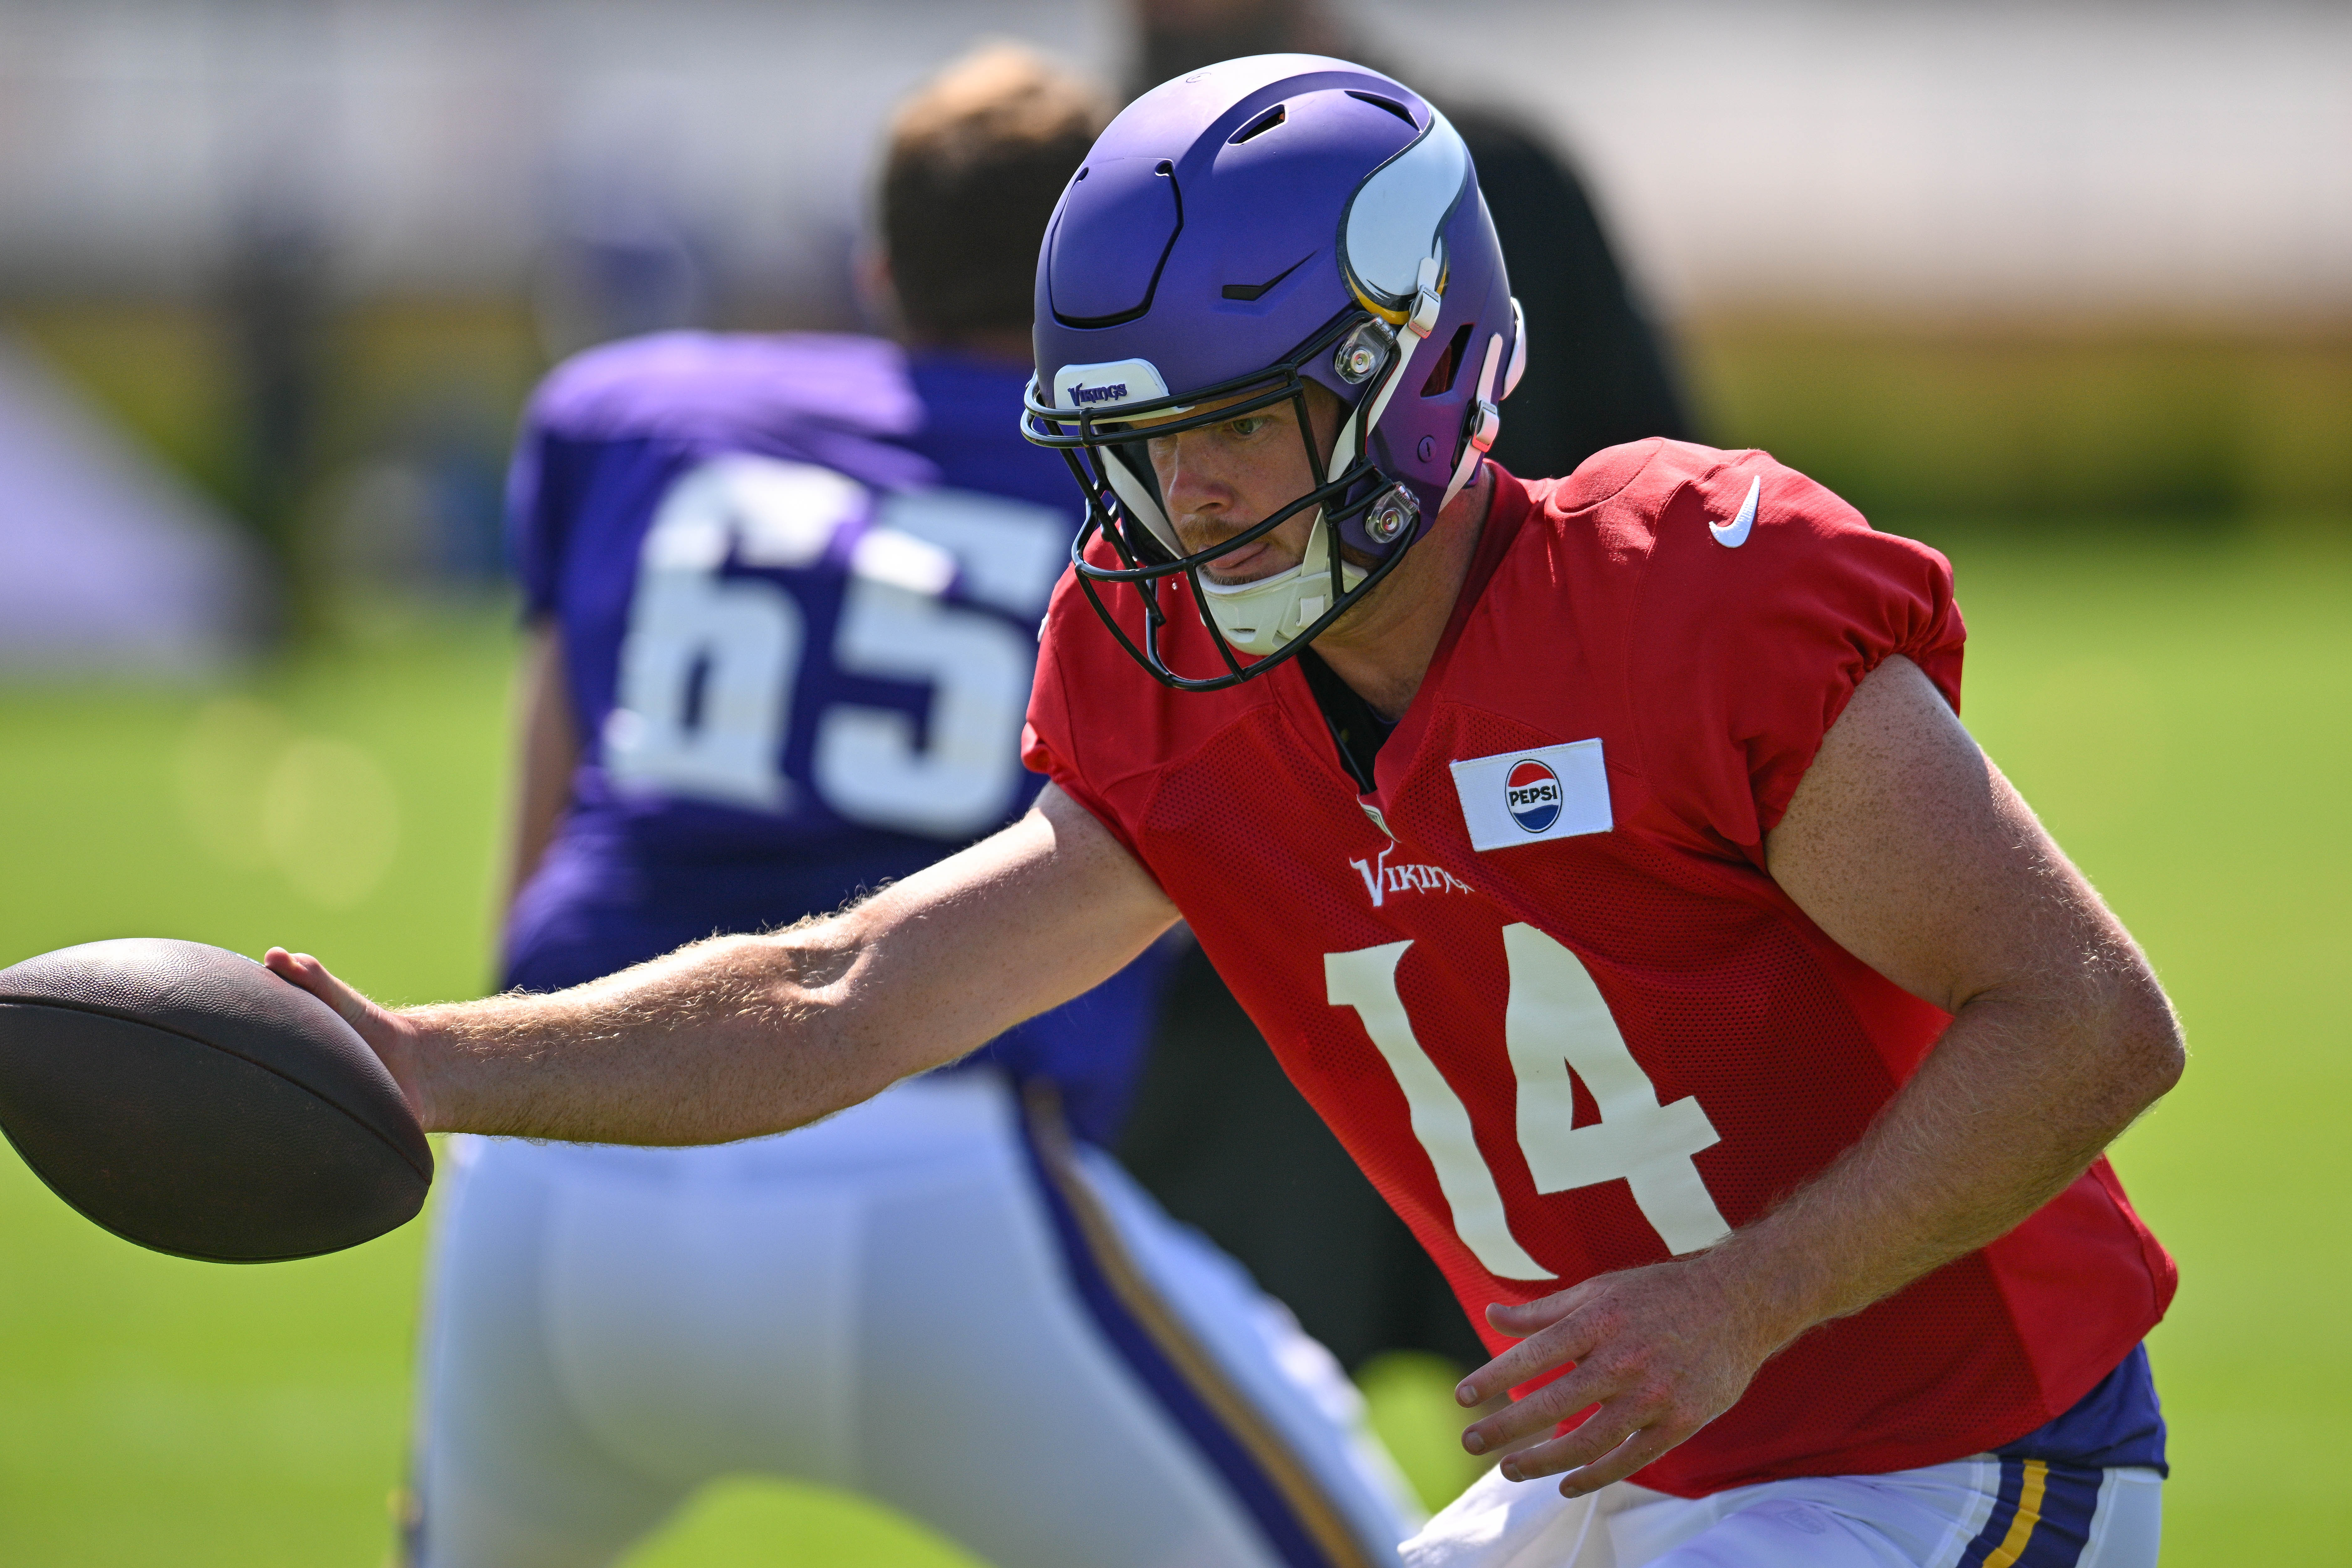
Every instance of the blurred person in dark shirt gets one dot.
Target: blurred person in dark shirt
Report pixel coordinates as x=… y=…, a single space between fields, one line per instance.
x=1218 y=1133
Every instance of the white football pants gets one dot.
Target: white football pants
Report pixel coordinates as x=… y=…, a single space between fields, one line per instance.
x=1983 y=1512
x=932 y=1298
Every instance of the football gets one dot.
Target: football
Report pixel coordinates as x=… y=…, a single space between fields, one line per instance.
x=186 y=1098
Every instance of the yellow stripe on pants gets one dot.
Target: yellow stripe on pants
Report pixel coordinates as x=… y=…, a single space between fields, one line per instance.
x=2029 y=1514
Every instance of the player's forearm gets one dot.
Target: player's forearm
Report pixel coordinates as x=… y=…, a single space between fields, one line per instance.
x=2026 y=1088
x=740 y=1036
x=727 y=1038
x=1908 y=847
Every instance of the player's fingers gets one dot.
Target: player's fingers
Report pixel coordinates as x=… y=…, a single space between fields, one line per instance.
x=1571 y=1339
x=384 y=1032
x=312 y=975
x=1642 y=1448
x=1520 y=1318
x=1601 y=1432
x=1640 y=1418
x=1614 y=1440
x=301 y=969
x=1541 y=1410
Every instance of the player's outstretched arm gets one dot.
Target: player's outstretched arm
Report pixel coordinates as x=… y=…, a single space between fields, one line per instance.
x=744 y=1034
x=1905 y=845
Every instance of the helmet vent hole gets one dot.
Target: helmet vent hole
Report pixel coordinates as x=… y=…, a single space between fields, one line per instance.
x=1260 y=126
x=1390 y=105
x=1448 y=365
x=1164 y=167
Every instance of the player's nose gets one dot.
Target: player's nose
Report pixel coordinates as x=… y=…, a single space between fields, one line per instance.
x=1188 y=481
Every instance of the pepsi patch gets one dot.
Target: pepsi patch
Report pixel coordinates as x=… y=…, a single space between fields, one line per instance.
x=1531 y=796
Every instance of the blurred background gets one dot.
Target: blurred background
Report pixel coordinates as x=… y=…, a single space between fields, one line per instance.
x=2061 y=288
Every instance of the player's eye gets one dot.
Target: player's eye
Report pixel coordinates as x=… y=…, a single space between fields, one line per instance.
x=1247 y=426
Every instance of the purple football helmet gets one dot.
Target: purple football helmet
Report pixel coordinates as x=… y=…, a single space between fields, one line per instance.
x=1255 y=228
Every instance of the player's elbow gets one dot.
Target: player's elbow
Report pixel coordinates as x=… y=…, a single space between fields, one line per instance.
x=2164 y=1052
x=2146 y=1054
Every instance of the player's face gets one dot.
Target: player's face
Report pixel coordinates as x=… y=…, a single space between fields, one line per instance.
x=1218 y=479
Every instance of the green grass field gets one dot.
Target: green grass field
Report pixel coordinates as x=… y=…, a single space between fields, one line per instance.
x=2176 y=707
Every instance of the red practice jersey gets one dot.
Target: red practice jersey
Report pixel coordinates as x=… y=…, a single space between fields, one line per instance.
x=1537 y=979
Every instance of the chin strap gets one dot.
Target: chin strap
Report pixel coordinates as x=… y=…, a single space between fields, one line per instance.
x=1427 y=303
x=1486 y=423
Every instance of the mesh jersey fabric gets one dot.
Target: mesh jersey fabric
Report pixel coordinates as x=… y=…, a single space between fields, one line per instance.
x=1600 y=607
x=611 y=438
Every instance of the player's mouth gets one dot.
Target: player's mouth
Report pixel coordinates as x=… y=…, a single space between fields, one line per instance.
x=1246 y=563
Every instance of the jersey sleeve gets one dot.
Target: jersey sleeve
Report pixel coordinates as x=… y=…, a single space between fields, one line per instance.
x=1747 y=651
x=1051 y=742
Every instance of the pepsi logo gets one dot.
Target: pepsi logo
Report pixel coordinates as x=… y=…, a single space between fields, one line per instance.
x=1534 y=795
x=1532 y=792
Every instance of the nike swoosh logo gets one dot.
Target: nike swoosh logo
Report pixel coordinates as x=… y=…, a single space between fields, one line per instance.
x=1733 y=534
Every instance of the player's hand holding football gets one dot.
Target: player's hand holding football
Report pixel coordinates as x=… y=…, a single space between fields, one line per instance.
x=392 y=1037
x=1661 y=1351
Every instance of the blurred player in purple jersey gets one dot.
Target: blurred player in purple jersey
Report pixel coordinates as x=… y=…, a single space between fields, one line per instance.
x=784 y=596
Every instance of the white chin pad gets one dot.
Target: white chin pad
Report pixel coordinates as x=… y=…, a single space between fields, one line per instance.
x=1260 y=616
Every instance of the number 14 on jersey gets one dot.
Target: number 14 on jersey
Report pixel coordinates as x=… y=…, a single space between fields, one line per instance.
x=1556 y=1023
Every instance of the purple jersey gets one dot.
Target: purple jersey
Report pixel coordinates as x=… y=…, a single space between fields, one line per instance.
x=799 y=580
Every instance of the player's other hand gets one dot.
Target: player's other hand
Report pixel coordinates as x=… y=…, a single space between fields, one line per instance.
x=1658 y=1352
x=390 y=1036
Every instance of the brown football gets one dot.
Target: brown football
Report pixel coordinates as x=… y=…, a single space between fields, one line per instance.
x=188 y=1100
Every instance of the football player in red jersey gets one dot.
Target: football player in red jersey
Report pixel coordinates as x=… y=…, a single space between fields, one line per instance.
x=1603 y=855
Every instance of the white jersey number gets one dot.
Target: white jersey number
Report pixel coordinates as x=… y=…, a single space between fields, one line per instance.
x=708 y=665
x=1555 y=1022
